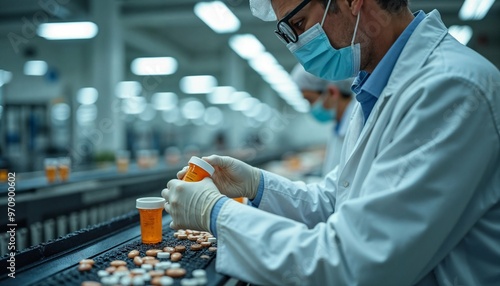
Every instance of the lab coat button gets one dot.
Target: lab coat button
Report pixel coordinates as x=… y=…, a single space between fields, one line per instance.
x=346 y=184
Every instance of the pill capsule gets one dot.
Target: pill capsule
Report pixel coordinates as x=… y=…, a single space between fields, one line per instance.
x=110 y=280
x=196 y=232
x=87 y=261
x=155 y=281
x=212 y=249
x=84 y=267
x=125 y=280
x=117 y=263
x=199 y=273
x=137 y=271
x=102 y=273
x=176 y=256
x=133 y=254
x=163 y=265
x=152 y=261
x=163 y=255
x=137 y=281
x=166 y=281
x=154 y=273
x=138 y=261
x=182 y=236
x=169 y=249
x=153 y=252
x=204 y=256
x=180 y=248
x=121 y=268
x=206 y=244
x=200 y=240
x=192 y=237
x=147 y=267
x=196 y=247
x=176 y=273
x=145 y=258
x=212 y=239
x=111 y=269
x=175 y=265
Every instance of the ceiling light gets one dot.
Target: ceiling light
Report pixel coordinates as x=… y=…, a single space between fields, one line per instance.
x=213 y=116
x=67 y=31
x=217 y=16
x=154 y=66
x=193 y=109
x=87 y=95
x=5 y=77
x=35 y=68
x=475 y=9
x=462 y=33
x=198 y=84
x=134 y=105
x=164 y=100
x=126 y=89
x=221 y=95
x=246 y=46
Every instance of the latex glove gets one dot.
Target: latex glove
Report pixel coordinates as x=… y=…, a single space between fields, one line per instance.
x=190 y=203
x=232 y=177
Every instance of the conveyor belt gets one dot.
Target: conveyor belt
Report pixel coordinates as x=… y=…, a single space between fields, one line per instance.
x=44 y=265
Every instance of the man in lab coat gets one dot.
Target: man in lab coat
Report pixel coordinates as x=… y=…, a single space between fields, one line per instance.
x=331 y=102
x=415 y=198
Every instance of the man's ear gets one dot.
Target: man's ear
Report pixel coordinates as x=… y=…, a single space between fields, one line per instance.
x=355 y=6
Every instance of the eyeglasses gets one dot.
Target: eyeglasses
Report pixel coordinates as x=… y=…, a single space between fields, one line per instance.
x=284 y=31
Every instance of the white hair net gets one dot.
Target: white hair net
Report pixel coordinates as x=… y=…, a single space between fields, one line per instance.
x=263 y=10
x=307 y=81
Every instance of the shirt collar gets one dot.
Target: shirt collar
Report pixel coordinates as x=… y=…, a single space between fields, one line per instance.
x=375 y=82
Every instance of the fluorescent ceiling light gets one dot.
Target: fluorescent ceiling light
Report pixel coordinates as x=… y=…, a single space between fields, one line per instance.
x=154 y=66
x=475 y=9
x=217 y=16
x=67 y=31
x=87 y=95
x=462 y=33
x=126 y=89
x=164 y=100
x=193 y=109
x=246 y=104
x=213 y=116
x=35 y=68
x=61 y=112
x=134 y=105
x=198 y=84
x=246 y=46
x=221 y=95
x=86 y=114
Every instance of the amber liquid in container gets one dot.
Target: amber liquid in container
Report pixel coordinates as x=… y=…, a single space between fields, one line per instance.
x=64 y=173
x=198 y=170
x=3 y=175
x=150 y=213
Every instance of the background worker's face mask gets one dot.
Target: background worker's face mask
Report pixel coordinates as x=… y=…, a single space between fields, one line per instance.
x=320 y=113
x=315 y=53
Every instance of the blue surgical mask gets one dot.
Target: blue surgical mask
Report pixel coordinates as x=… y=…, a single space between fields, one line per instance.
x=322 y=114
x=315 y=53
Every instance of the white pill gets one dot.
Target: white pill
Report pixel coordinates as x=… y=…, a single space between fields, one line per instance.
x=199 y=273
x=137 y=281
x=125 y=280
x=166 y=281
x=147 y=267
x=163 y=255
x=102 y=273
x=163 y=265
x=189 y=282
x=175 y=266
x=146 y=277
x=110 y=280
x=120 y=273
x=212 y=239
x=138 y=271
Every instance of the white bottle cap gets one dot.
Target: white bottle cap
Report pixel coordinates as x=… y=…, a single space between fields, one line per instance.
x=150 y=203
x=202 y=164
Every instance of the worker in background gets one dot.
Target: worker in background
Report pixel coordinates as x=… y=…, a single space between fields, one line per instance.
x=330 y=102
x=415 y=199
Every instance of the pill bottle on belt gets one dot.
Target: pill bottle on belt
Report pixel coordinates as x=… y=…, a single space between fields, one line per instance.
x=198 y=170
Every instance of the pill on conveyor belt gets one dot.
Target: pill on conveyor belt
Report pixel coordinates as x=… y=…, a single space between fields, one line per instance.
x=180 y=248
x=212 y=239
x=145 y=258
x=110 y=280
x=117 y=263
x=133 y=253
x=176 y=273
x=166 y=281
x=147 y=267
x=163 y=265
x=138 y=271
x=87 y=261
x=204 y=256
x=200 y=240
x=176 y=256
x=111 y=269
x=182 y=236
x=169 y=249
x=152 y=261
x=138 y=261
x=121 y=268
x=155 y=273
x=102 y=273
x=196 y=247
x=212 y=249
x=192 y=237
x=146 y=277
x=189 y=282
x=152 y=252
x=163 y=255
x=175 y=266
x=206 y=244
x=199 y=273
x=125 y=280
x=120 y=273
x=137 y=281
x=90 y=283
x=84 y=267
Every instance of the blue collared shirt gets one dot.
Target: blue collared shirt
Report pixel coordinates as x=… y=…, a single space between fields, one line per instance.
x=368 y=87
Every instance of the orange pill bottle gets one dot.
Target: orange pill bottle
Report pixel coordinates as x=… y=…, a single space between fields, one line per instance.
x=150 y=213
x=197 y=170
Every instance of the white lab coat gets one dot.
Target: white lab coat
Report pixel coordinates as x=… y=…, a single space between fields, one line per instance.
x=336 y=140
x=415 y=199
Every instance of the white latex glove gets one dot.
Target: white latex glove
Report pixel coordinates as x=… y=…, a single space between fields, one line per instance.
x=232 y=177
x=190 y=203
